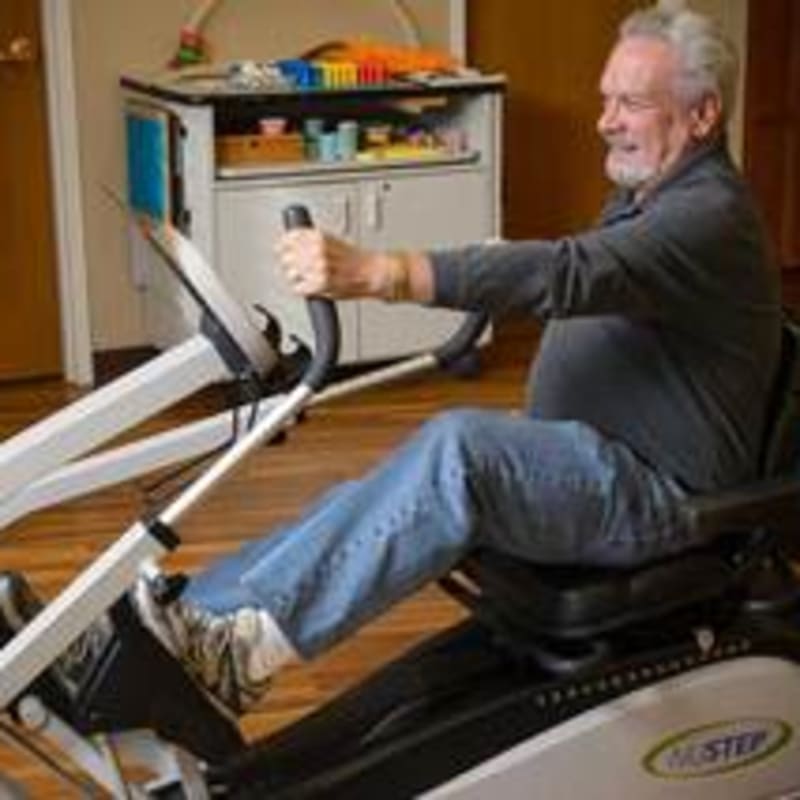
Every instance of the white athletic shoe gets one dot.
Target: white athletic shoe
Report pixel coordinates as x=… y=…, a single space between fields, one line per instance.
x=228 y=655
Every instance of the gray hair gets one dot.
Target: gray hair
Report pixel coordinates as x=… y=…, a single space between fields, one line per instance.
x=709 y=62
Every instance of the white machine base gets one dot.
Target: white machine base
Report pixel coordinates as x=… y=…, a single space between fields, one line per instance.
x=730 y=731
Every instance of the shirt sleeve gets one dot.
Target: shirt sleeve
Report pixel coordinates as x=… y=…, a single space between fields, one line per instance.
x=637 y=267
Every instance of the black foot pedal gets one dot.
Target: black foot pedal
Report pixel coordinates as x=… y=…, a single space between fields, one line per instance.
x=19 y=604
x=138 y=684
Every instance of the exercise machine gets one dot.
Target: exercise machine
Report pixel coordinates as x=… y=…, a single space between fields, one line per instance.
x=678 y=679
x=45 y=465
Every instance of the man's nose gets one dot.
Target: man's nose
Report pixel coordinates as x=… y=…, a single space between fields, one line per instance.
x=609 y=119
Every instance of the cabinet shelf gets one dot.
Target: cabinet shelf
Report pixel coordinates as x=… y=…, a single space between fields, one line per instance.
x=344 y=167
x=215 y=91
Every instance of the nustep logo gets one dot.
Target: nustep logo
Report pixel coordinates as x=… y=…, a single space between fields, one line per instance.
x=718 y=748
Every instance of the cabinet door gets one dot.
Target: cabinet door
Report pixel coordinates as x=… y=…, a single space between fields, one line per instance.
x=420 y=212
x=248 y=224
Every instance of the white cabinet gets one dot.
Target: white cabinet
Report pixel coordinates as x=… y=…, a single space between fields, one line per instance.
x=409 y=210
x=419 y=211
x=248 y=222
x=235 y=214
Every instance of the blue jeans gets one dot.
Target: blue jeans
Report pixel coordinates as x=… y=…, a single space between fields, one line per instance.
x=547 y=491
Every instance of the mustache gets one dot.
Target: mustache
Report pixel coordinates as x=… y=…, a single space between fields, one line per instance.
x=619 y=143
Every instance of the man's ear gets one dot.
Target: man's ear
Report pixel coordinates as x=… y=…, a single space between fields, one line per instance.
x=706 y=116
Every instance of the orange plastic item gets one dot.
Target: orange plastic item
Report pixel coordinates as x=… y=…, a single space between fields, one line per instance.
x=394 y=59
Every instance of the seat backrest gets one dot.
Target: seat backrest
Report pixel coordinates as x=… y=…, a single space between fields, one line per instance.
x=781 y=444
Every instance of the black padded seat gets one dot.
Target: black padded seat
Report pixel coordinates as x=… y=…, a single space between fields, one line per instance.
x=579 y=602
x=570 y=602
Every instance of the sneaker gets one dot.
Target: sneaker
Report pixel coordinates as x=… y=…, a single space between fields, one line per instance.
x=231 y=656
x=19 y=604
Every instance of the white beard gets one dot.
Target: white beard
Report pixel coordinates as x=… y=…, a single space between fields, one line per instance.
x=628 y=176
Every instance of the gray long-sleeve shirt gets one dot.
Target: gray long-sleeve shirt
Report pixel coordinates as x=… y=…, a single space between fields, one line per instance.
x=663 y=322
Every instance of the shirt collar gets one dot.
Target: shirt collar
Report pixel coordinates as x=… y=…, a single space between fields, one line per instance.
x=623 y=203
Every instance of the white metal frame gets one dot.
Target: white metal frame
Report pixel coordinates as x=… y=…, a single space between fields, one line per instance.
x=458 y=28
x=98 y=417
x=77 y=429
x=194 y=439
x=69 y=433
x=42 y=465
x=102 y=757
x=36 y=456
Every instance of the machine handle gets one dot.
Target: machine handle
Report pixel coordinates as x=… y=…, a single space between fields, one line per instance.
x=463 y=339
x=324 y=318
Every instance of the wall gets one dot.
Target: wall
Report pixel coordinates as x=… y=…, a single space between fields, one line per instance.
x=112 y=37
x=553 y=53
x=732 y=15
x=772 y=123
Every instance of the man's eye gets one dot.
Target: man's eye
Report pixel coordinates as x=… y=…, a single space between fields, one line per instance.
x=636 y=103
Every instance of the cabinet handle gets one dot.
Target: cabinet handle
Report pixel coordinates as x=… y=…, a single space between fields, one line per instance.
x=347 y=216
x=374 y=210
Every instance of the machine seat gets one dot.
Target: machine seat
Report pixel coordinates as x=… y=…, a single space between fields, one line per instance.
x=574 y=603
x=566 y=602
x=745 y=526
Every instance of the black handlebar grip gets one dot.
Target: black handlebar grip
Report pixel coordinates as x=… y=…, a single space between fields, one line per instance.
x=324 y=318
x=296 y=217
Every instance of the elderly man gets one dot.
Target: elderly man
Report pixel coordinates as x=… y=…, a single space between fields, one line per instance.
x=650 y=383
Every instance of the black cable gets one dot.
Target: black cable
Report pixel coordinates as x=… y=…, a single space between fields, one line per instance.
x=159 y=492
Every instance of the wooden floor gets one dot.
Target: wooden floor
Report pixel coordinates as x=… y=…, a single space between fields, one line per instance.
x=337 y=441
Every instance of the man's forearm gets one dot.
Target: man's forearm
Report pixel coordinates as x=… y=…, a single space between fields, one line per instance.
x=405 y=276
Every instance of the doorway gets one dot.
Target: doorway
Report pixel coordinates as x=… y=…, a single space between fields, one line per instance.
x=553 y=53
x=772 y=123
x=30 y=329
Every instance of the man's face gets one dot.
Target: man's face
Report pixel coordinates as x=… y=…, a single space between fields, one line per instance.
x=645 y=124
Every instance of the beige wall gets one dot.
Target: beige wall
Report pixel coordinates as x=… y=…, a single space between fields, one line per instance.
x=732 y=14
x=112 y=37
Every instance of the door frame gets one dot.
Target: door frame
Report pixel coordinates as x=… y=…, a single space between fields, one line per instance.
x=68 y=218
x=458 y=28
